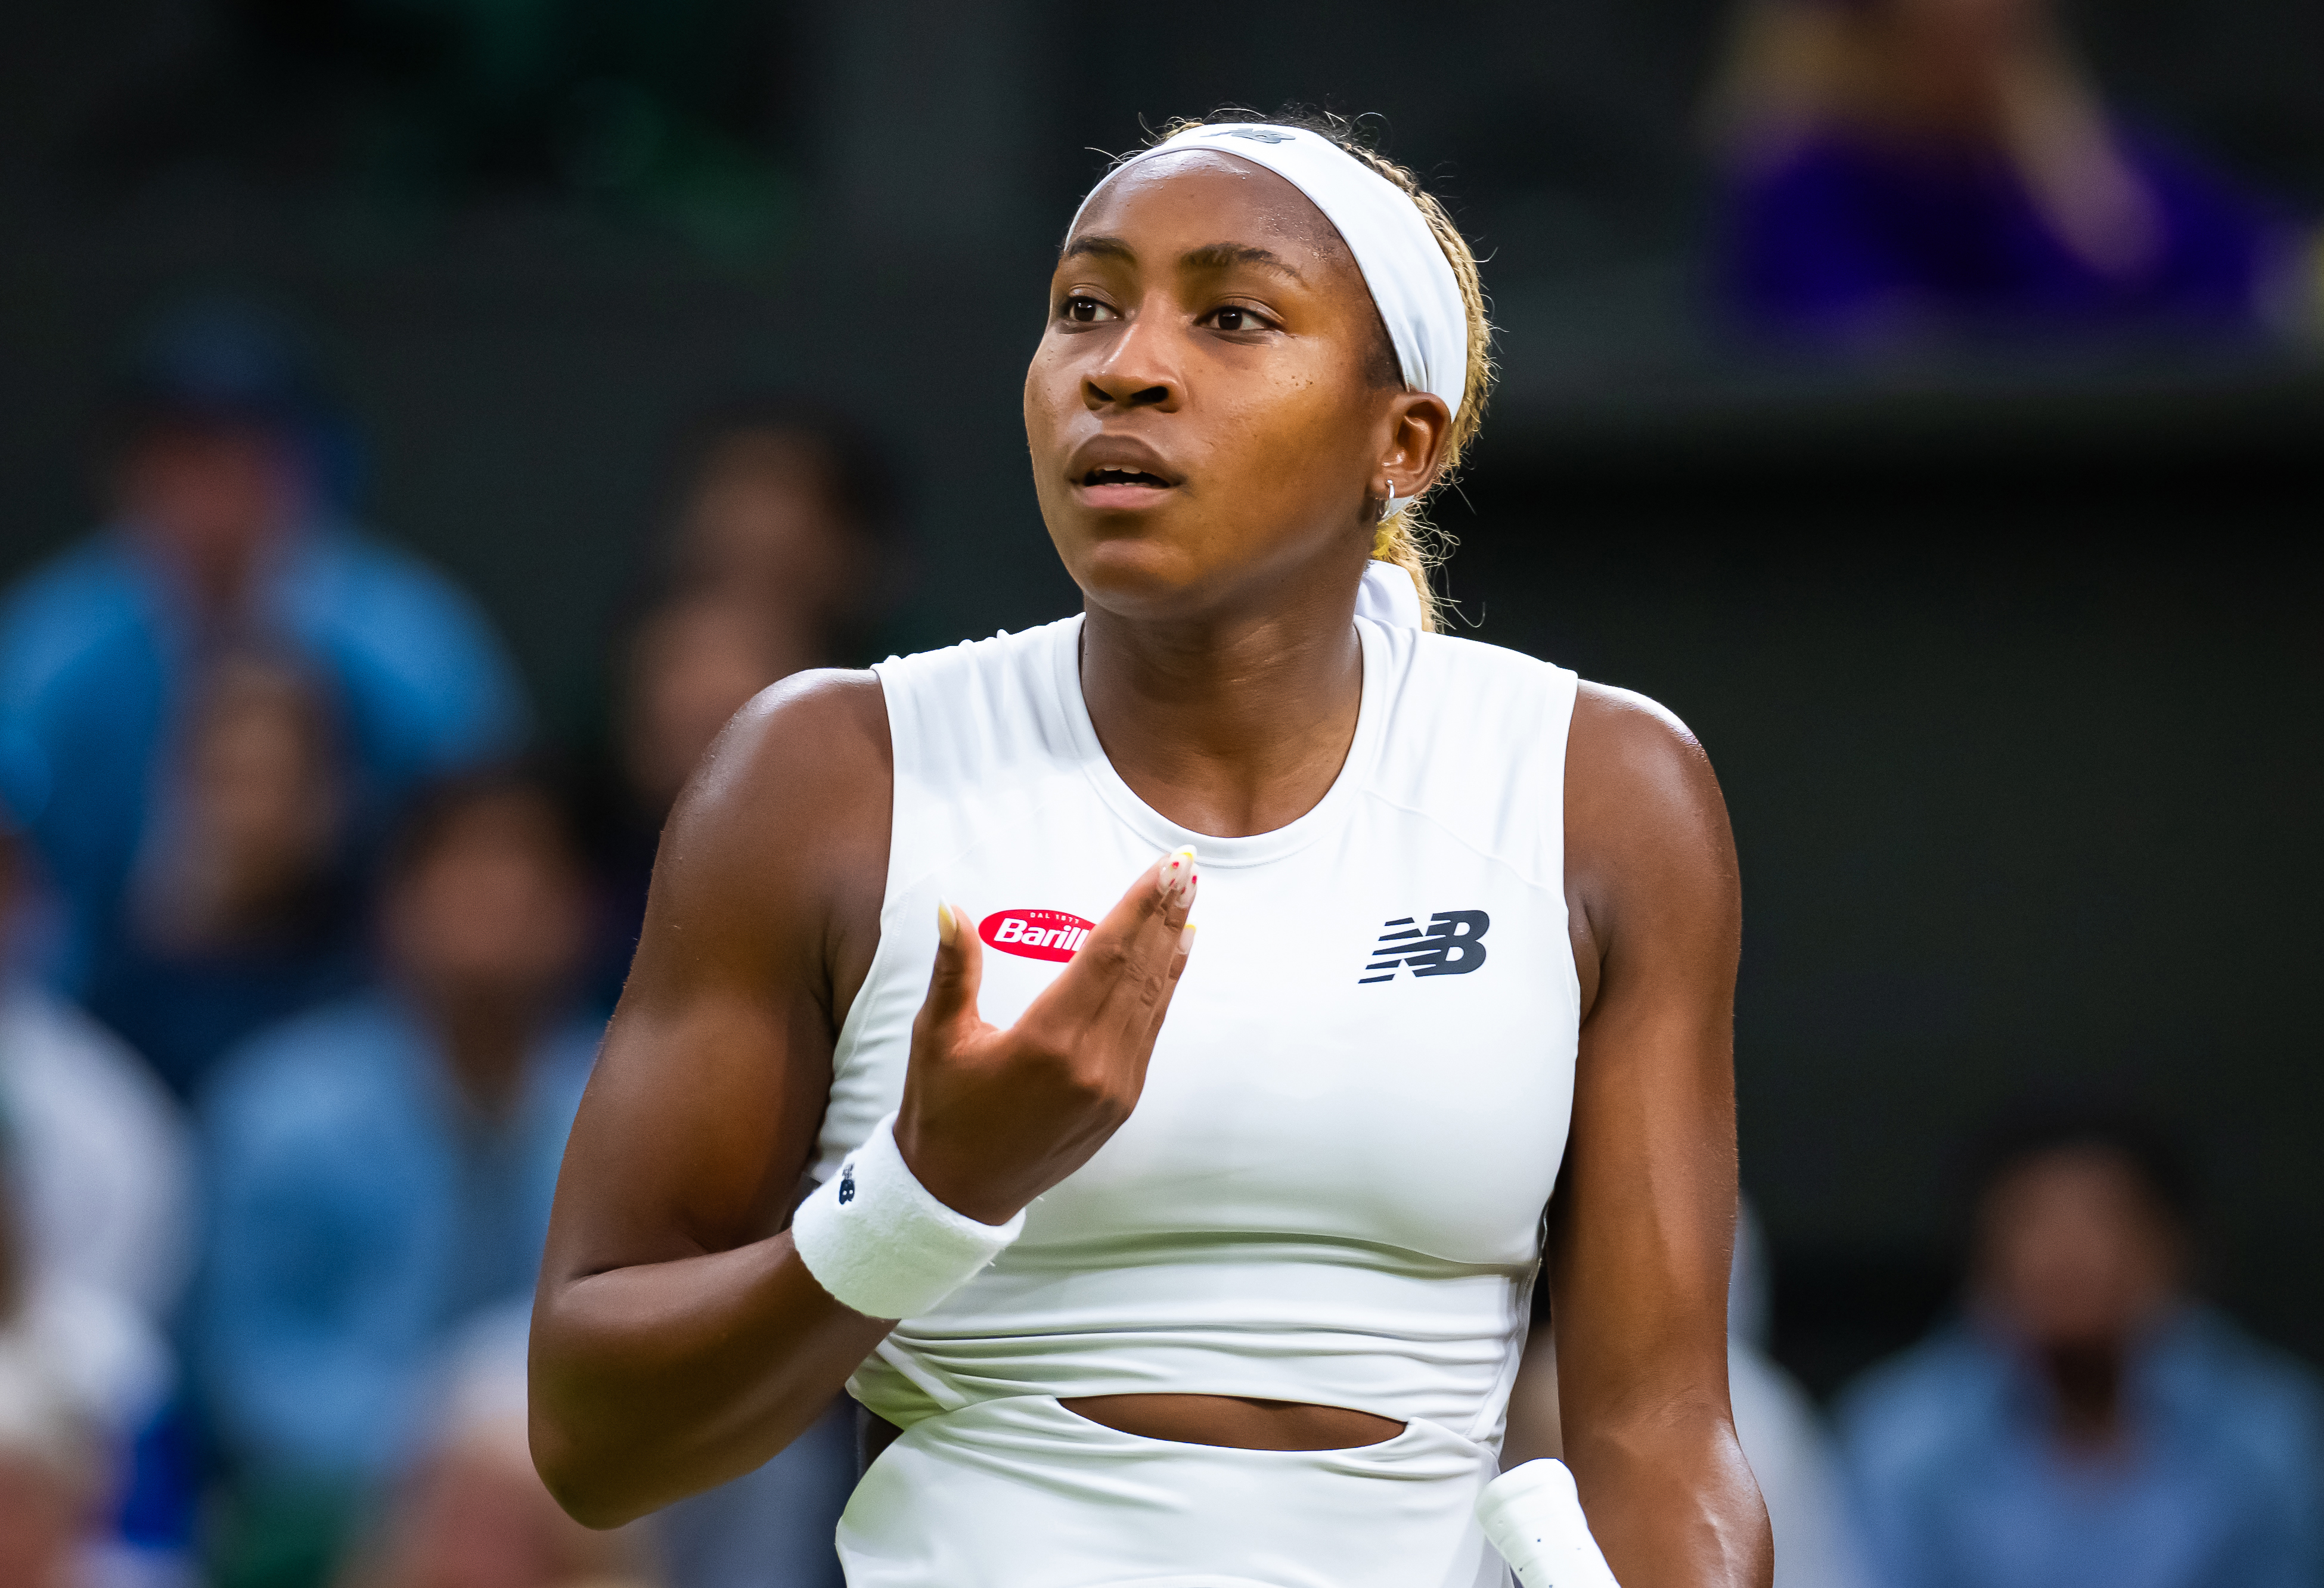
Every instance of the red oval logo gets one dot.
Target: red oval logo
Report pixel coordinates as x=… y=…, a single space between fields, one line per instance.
x=1037 y=934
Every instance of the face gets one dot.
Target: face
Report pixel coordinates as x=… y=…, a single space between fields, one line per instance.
x=1207 y=414
x=2073 y=1250
x=696 y=665
x=210 y=496
x=494 y=909
x=762 y=523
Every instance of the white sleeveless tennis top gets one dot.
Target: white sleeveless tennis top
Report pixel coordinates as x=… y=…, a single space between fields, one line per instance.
x=1331 y=1190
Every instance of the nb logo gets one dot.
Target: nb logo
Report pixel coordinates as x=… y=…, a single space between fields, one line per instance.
x=1451 y=945
x=847 y=1181
x=1256 y=135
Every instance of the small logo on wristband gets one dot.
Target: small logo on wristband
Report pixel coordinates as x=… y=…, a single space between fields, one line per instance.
x=1037 y=934
x=847 y=1181
x=1453 y=944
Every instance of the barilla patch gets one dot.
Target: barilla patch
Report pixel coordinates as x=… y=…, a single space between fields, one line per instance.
x=1037 y=934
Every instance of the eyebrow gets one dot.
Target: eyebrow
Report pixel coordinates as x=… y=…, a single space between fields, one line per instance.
x=1213 y=256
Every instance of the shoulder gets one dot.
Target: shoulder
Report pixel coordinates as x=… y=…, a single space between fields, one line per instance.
x=1626 y=736
x=786 y=818
x=1919 y=1407
x=975 y=710
x=386 y=582
x=60 y=1059
x=303 y=1082
x=77 y=600
x=1646 y=824
x=378 y=602
x=2261 y=1397
x=813 y=739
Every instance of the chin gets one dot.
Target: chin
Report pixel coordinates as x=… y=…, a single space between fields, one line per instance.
x=1138 y=575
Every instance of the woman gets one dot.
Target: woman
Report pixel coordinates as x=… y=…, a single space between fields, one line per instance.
x=1898 y=166
x=1258 y=1326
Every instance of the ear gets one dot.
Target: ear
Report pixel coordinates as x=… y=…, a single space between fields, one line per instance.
x=1418 y=428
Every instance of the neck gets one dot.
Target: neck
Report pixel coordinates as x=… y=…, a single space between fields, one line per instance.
x=1228 y=725
x=486 y=1037
x=2086 y=1384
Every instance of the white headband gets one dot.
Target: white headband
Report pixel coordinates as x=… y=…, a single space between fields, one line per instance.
x=1411 y=280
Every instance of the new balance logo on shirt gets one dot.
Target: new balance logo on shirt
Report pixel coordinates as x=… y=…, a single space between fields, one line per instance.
x=1451 y=944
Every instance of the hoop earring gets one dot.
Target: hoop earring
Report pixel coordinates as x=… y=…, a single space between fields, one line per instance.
x=1390 y=501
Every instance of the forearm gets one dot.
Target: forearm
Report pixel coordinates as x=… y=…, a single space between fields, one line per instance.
x=1672 y=1502
x=653 y=1383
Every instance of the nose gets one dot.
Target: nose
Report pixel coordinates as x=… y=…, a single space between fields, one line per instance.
x=1138 y=369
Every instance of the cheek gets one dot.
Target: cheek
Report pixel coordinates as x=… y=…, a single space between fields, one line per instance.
x=1296 y=439
x=1049 y=387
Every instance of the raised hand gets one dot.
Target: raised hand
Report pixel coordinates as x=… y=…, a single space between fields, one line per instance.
x=993 y=1118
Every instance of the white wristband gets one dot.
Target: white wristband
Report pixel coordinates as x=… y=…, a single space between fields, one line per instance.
x=1534 y=1518
x=873 y=1236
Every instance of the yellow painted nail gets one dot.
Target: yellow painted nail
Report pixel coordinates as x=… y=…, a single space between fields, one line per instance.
x=947 y=924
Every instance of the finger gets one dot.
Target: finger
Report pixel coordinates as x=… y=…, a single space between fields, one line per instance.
x=1141 y=993
x=1178 y=959
x=1130 y=945
x=958 y=971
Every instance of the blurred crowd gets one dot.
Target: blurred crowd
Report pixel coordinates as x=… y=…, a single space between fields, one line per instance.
x=308 y=954
x=1899 y=170
x=307 y=949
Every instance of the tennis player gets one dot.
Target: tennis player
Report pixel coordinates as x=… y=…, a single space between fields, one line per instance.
x=1184 y=1236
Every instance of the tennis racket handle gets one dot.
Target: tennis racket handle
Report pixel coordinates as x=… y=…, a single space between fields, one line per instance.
x=1534 y=1518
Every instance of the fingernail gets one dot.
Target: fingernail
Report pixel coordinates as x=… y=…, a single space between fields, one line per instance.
x=1186 y=939
x=1177 y=871
x=947 y=924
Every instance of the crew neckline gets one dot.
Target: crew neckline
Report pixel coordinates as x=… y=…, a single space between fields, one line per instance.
x=1212 y=851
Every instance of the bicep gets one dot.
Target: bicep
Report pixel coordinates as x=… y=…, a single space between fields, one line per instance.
x=1642 y=1225
x=699 y=1117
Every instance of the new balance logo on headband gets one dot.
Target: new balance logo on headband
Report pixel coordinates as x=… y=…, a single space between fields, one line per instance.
x=1256 y=135
x=1453 y=944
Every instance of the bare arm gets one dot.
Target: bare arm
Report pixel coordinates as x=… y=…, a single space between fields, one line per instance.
x=677 y=1339
x=1643 y=1224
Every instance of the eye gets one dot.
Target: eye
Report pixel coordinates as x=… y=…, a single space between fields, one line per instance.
x=1234 y=316
x=1087 y=311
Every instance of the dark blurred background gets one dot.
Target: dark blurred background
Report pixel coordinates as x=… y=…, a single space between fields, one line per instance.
x=2005 y=647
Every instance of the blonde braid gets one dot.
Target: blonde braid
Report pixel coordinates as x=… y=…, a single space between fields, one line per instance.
x=1406 y=537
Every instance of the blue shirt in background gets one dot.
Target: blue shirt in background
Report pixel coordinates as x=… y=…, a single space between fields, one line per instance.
x=1960 y=1485
x=362 y=1213
x=97 y=655
x=1844 y=233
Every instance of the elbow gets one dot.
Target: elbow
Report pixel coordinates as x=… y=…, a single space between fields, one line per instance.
x=587 y=1485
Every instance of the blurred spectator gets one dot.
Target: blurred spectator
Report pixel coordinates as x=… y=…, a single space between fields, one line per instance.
x=237 y=914
x=226 y=537
x=781 y=511
x=48 y=1475
x=1909 y=165
x=382 y=1168
x=100 y=1166
x=2088 y=1423
x=473 y=1513
x=97 y=1220
x=773 y=560
x=1782 y=1436
x=698 y=659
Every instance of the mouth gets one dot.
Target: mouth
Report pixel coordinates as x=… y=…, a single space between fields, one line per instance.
x=1121 y=474
x=1095 y=479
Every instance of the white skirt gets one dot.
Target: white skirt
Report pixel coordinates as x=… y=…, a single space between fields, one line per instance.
x=1020 y=1492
